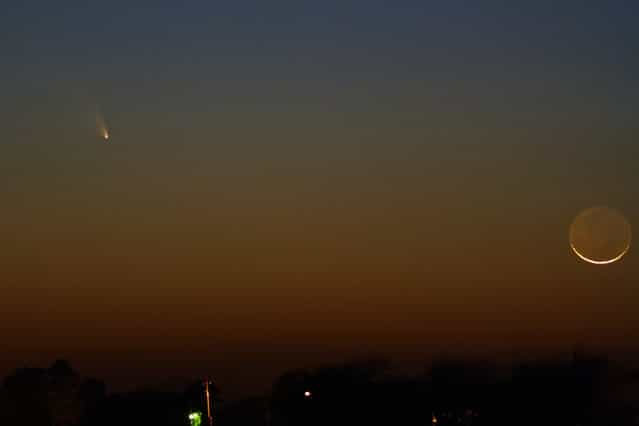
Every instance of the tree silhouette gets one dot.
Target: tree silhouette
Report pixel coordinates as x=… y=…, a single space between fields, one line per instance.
x=56 y=396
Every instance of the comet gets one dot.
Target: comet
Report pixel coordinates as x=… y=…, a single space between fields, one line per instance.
x=101 y=126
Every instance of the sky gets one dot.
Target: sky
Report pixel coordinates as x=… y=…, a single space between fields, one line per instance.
x=305 y=182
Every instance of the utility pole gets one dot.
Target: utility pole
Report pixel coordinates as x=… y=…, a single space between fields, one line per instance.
x=208 y=401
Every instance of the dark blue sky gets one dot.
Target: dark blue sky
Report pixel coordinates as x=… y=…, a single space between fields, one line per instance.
x=63 y=37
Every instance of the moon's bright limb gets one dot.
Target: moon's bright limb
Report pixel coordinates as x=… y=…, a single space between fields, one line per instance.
x=600 y=235
x=600 y=262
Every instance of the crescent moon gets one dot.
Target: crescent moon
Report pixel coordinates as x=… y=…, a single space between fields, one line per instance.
x=600 y=262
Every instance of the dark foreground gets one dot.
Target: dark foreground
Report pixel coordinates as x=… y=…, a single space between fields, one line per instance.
x=582 y=391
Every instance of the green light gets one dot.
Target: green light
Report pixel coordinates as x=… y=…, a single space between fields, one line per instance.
x=195 y=418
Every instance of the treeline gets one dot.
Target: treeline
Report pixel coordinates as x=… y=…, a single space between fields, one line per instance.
x=60 y=396
x=581 y=391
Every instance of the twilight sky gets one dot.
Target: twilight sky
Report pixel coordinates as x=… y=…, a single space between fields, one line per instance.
x=300 y=182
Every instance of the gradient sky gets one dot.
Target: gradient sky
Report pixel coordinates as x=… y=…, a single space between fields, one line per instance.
x=302 y=182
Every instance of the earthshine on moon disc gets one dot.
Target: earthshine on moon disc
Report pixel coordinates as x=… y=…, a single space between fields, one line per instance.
x=600 y=235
